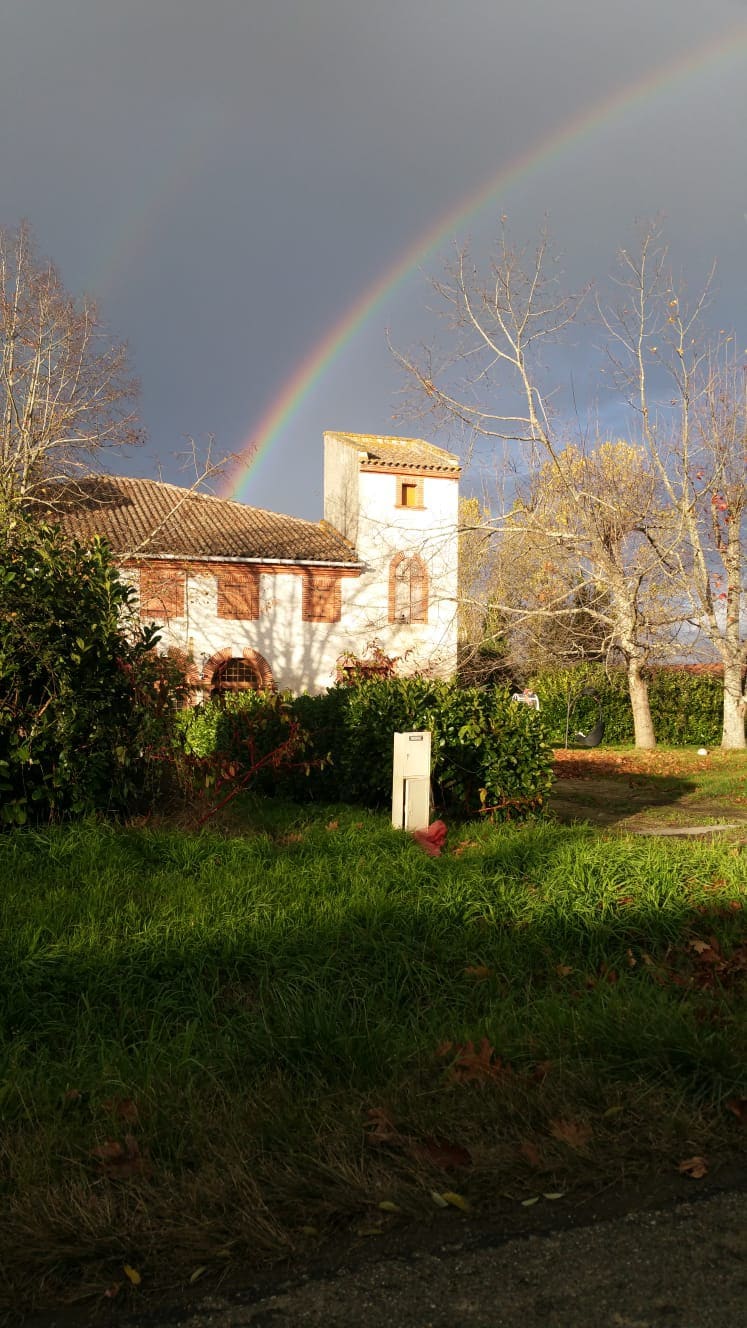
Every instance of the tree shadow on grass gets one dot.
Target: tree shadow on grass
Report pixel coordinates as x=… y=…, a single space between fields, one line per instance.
x=608 y=788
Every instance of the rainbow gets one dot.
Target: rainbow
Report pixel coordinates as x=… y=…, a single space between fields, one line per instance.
x=583 y=126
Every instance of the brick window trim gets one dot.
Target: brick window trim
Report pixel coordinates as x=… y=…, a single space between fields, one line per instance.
x=322 y=597
x=419 y=589
x=410 y=482
x=252 y=657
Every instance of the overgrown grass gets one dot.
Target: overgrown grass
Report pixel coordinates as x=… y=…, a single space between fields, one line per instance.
x=196 y=1029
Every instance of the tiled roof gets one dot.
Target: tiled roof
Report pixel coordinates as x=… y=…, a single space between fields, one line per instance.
x=403 y=453
x=149 y=518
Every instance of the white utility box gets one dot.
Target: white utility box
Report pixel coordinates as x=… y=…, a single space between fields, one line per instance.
x=411 y=781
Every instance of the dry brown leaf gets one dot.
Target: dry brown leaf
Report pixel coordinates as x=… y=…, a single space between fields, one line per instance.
x=695 y=1167
x=738 y=1107
x=120 y=1160
x=531 y=1152
x=477 y=971
x=441 y=1153
x=124 y=1108
x=563 y=970
x=380 y=1128
x=574 y=1133
x=474 y=1064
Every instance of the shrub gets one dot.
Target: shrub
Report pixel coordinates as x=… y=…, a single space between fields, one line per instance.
x=488 y=754
x=686 y=708
x=83 y=699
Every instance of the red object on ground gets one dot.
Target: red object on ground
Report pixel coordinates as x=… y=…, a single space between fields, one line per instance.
x=431 y=840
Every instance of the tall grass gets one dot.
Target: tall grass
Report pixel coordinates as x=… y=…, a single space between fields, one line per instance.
x=237 y=1006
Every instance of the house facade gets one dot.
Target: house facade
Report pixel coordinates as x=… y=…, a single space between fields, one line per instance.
x=249 y=598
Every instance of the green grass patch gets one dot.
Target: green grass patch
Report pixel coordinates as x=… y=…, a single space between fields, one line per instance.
x=212 y=1043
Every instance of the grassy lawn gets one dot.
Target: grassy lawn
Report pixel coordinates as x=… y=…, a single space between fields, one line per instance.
x=216 y=1047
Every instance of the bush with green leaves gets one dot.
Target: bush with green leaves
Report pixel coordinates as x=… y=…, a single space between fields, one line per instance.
x=84 y=701
x=686 y=708
x=489 y=754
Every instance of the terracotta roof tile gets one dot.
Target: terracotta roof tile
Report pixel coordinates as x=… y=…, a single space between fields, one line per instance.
x=405 y=453
x=150 y=518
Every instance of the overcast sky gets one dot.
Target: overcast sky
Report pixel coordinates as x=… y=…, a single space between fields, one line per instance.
x=228 y=179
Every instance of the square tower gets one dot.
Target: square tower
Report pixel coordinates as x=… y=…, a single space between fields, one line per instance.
x=397 y=501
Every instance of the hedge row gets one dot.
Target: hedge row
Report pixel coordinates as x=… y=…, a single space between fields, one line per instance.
x=686 y=708
x=488 y=753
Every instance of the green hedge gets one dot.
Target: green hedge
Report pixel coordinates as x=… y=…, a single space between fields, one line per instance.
x=488 y=753
x=686 y=708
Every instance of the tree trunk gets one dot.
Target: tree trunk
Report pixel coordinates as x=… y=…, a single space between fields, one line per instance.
x=735 y=708
x=642 y=724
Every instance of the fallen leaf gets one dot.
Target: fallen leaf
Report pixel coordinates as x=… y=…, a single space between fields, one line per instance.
x=695 y=1167
x=557 y=1194
x=474 y=1065
x=612 y=1111
x=123 y=1108
x=529 y=1203
x=531 y=1152
x=197 y=1274
x=442 y=1153
x=387 y=1206
x=380 y=1128
x=368 y=1231
x=439 y=1200
x=738 y=1107
x=333 y=825
x=132 y=1274
x=120 y=1160
x=563 y=970
x=477 y=971
x=574 y=1133
x=309 y=1231
x=456 y=1201
x=701 y=947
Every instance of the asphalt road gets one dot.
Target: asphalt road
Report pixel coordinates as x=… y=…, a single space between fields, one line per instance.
x=680 y=1267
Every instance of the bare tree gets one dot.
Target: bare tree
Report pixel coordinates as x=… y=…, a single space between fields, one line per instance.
x=499 y=330
x=691 y=399
x=66 y=391
x=581 y=543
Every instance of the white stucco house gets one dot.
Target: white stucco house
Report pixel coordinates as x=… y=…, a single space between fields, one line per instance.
x=250 y=598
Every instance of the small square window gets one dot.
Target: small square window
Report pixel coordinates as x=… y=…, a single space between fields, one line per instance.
x=409 y=492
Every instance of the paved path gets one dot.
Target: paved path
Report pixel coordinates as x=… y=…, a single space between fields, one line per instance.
x=684 y=1267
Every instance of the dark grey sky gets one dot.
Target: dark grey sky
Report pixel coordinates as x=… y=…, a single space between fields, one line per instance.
x=229 y=178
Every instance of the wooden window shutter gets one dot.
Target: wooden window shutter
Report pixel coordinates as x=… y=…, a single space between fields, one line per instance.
x=322 y=600
x=162 y=592
x=238 y=593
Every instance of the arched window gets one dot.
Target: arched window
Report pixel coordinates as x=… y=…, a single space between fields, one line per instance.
x=235 y=675
x=408 y=589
